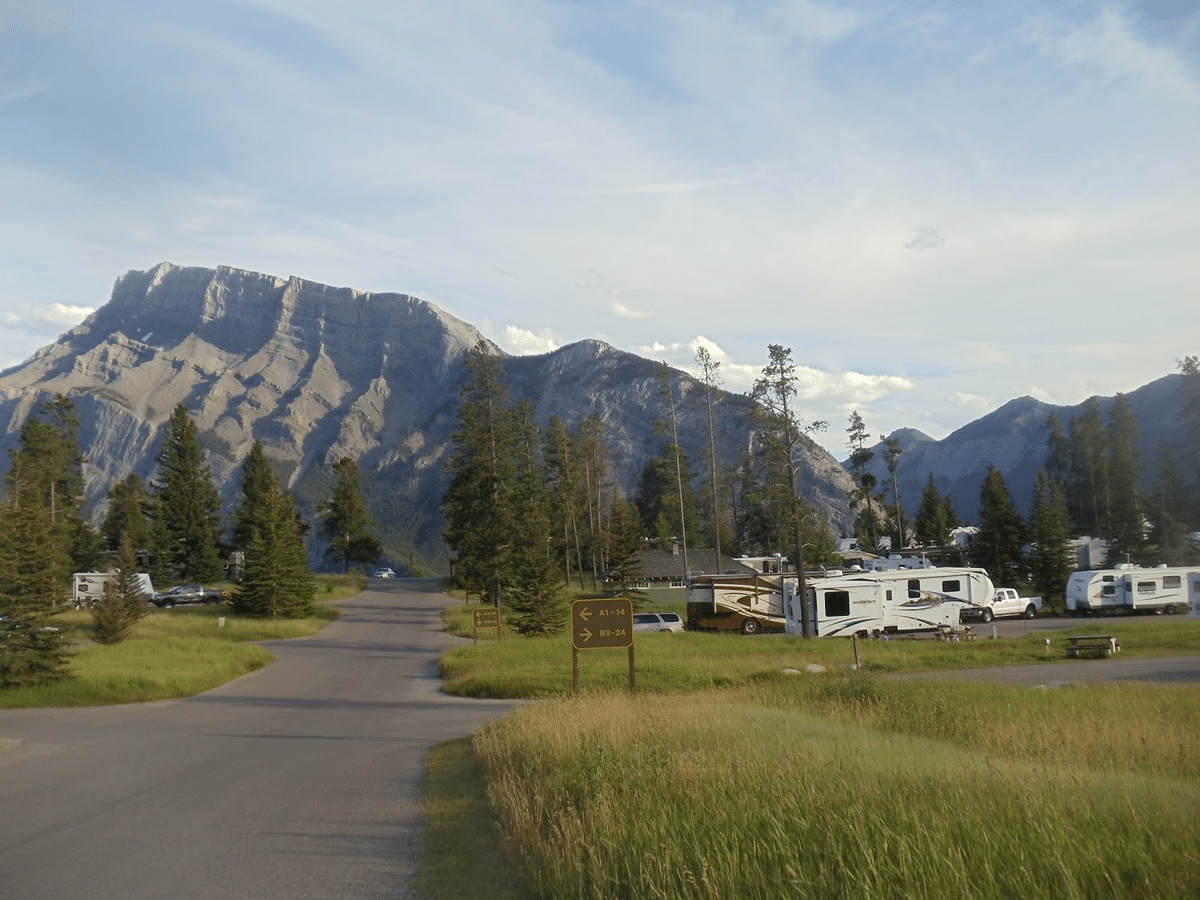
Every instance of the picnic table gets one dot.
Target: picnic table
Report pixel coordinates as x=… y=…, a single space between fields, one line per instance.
x=1092 y=643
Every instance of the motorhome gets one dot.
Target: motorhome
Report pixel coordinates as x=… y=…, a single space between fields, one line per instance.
x=1129 y=588
x=748 y=602
x=889 y=602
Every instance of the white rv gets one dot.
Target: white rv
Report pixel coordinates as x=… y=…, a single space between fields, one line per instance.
x=888 y=602
x=1134 y=589
x=87 y=588
x=748 y=603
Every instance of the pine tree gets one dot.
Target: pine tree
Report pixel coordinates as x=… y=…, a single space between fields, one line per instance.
x=32 y=650
x=123 y=602
x=625 y=544
x=594 y=462
x=1125 y=478
x=276 y=582
x=932 y=525
x=1189 y=368
x=259 y=487
x=782 y=436
x=188 y=503
x=1050 y=561
x=1087 y=488
x=997 y=546
x=566 y=495
x=710 y=377
x=346 y=523
x=891 y=457
x=534 y=588
x=866 y=523
x=478 y=505
x=130 y=510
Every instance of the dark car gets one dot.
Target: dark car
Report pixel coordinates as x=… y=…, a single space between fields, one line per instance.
x=188 y=593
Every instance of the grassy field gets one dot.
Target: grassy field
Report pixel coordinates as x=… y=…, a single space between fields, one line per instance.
x=729 y=776
x=172 y=652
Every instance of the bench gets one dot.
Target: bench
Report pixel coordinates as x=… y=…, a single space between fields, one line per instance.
x=1094 y=643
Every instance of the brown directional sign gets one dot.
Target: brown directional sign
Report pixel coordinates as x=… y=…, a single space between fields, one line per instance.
x=486 y=617
x=599 y=624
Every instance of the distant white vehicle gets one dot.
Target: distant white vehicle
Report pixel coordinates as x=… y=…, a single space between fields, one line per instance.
x=650 y=621
x=1006 y=603
x=1133 y=589
x=383 y=573
x=88 y=587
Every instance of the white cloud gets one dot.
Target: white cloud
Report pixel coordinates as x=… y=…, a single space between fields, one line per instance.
x=61 y=314
x=926 y=238
x=523 y=342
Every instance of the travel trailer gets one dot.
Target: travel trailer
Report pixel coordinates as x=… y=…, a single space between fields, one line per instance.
x=88 y=587
x=842 y=603
x=889 y=602
x=1129 y=588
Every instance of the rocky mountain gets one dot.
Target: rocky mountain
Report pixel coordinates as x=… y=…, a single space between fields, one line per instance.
x=1013 y=438
x=317 y=373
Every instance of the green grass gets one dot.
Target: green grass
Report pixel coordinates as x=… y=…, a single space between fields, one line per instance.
x=729 y=776
x=541 y=667
x=171 y=652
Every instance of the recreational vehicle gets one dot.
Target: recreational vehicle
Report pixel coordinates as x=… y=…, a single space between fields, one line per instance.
x=1131 y=588
x=748 y=603
x=888 y=602
x=87 y=588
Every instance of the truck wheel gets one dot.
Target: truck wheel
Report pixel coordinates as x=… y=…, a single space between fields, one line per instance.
x=1170 y=610
x=1030 y=611
x=751 y=626
x=987 y=616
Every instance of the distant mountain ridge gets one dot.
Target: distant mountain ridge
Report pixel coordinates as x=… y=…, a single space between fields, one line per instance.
x=1013 y=438
x=317 y=372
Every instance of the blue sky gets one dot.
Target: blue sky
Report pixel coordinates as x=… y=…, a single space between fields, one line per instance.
x=938 y=206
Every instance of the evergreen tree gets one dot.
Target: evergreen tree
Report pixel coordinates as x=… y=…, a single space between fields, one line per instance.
x=782 y=437
x=346 y=523
x=932 y=523
x=123 y=603
x=997 y=546
x=277 y=582
x=1087 y=485
x=1168 y=511
x=566 y=495
x=259 y=489
x=1125 y=478
x=1189 y=368
x=626 y=542
x=867 y=522
x=594 y=462
x=710 y=377
x=891 y=457
x=1058 y=458
x=1050 y=561
x=32 y=650
x=535 y=600
x=130 y=511
x=188 y=503
x=479 y=503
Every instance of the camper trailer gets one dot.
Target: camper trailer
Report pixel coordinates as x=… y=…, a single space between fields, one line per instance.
x=748 y=603
x=889 y=602
x=87 y=588
x=1129 y=588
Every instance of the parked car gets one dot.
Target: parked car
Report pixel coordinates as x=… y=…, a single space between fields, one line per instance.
x=383 y=573
x=648 y=621
x=189 y=593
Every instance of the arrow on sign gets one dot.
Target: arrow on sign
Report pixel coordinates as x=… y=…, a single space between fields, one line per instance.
x=585 y=613
x=585 y=635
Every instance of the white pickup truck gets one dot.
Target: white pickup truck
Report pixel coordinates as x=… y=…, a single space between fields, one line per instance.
x=1006 y=603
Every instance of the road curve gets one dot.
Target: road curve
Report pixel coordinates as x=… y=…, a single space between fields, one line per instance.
x=300 y=780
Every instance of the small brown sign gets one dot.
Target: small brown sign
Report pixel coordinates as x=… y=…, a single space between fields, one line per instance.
x=600 y=624
x=486 y=617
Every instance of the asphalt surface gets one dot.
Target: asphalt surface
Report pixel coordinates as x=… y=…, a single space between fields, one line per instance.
x=301 y=780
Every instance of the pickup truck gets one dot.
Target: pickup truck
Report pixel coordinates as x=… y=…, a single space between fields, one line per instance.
x=1007 y=603
x=188 y=593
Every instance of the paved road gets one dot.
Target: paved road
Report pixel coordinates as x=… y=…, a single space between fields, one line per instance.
x=300 y=780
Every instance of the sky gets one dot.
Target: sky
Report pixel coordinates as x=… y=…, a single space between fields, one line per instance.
x=937 y=207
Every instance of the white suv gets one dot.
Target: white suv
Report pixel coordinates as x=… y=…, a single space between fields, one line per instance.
x=383 y=573
x=647 y=621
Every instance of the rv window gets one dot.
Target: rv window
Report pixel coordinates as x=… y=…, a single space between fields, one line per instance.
x=1108 y=578
x=951 y=587
x=1109 y=590
x=1172 y=581
x=837 y=603
x=1147 y=587
x=914 y=588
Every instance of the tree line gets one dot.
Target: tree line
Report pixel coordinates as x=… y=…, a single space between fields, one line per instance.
x=173 y=522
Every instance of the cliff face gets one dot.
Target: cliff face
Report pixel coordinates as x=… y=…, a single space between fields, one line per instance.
x=316 y=373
